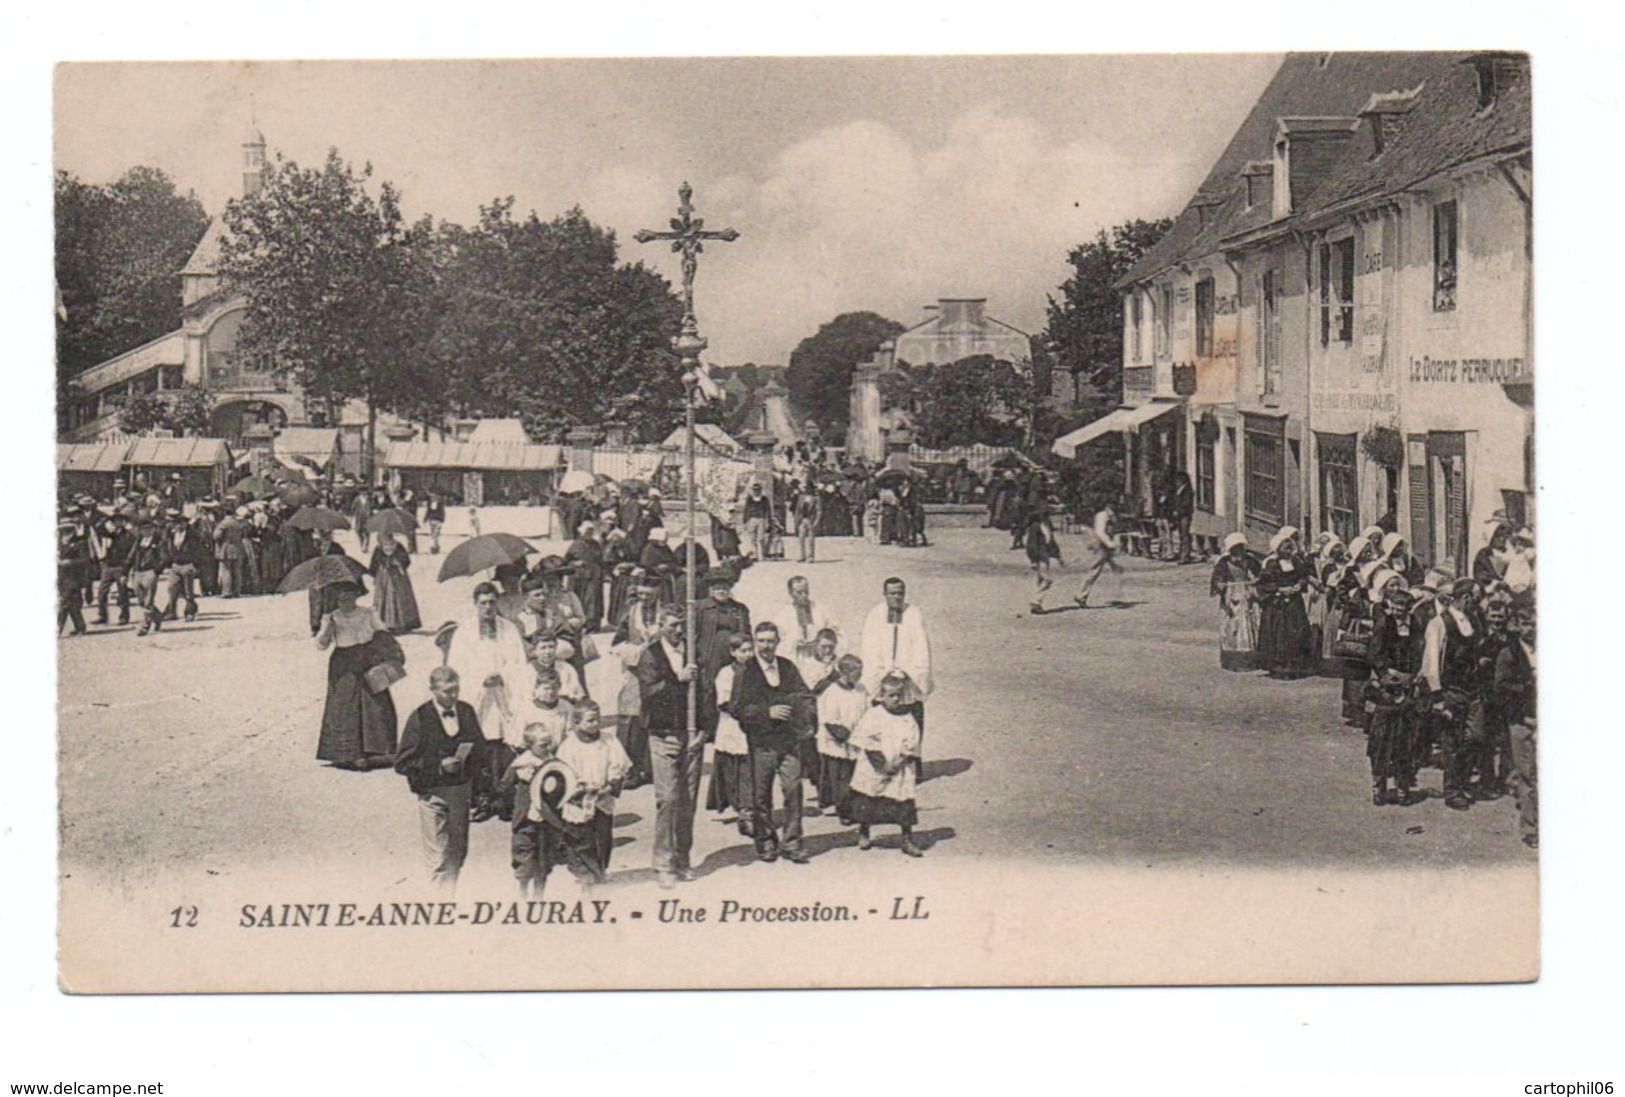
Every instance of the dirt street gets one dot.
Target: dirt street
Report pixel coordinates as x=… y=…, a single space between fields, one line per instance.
x=1098 y=735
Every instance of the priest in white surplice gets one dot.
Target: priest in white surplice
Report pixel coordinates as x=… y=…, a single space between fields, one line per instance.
x=894 y=638
x=802 y=620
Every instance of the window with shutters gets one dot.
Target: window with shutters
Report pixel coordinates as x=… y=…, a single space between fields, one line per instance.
x=1136 y=307
x=1416 y=490
x=1204 y=318
x=1207 y=441
x=1337 y=292
x=1269 y=330
x=1444 y=257
x=1266 y=471
x=1339 y=484
x=1165 y=321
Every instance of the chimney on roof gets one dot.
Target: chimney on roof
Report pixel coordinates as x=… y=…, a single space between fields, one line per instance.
x=1497 y=71
x=1384 y=115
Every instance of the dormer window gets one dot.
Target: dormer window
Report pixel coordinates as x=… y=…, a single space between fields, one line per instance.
x=1256 y=177
x=1496 y=71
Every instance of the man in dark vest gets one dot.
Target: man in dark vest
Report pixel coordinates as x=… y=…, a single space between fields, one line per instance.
x=675 y=754
x=771 y=702
x=441 y=749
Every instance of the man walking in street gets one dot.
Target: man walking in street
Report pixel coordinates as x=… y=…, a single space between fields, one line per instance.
x=187 y=558
x=664 y=671
x=774 y=709
x=1181 y=508
x=115 y=538
x=228 y=550
x=440 y=751
x=758 y=516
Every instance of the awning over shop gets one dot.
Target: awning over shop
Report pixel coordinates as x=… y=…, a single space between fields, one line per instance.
x=1122 y=419
x=306 y=445
x=474 y=456
x=172 y=453
x=92 y=457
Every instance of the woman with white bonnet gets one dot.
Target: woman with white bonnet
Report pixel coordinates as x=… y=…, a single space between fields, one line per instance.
x=1232 y=584
x=1284 y=643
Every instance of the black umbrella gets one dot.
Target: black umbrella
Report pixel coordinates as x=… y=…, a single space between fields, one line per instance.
x=321 y=571
x=253 y=485
x=318 y=518
x=393 y=521
x=482 y=553
x=896 y=475
x=298 y=495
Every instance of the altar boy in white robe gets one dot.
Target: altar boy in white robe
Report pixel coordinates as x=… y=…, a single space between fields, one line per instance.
x=895 y=639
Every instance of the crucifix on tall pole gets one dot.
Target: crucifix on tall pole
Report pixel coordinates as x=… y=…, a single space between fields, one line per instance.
x=688 y=235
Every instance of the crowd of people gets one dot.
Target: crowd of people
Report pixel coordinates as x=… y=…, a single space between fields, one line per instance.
x=147 y=550
x=788 y=700
x=1438 y=668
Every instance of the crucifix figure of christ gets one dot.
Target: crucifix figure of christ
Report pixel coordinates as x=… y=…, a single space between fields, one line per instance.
x=688 y=235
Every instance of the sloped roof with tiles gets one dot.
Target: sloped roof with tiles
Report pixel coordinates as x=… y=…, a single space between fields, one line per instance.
x=1307 y=86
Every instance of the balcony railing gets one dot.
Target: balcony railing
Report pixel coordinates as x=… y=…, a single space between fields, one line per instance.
x=1139 y=380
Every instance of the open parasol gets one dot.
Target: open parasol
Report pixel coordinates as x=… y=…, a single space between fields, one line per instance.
x=321 y=571
x=477 y=554
x=324 y=519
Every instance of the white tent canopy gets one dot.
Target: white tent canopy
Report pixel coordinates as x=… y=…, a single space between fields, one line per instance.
x=1122 y=419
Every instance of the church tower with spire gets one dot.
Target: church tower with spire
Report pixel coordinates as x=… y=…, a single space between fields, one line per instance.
x=254 y=166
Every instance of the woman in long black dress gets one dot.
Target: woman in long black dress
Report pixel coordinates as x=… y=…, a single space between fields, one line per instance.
x=1395 y=745
x=1351 y=606
x=1284 y=641
x=358 y=725
x=396 y=602
x=586 y=556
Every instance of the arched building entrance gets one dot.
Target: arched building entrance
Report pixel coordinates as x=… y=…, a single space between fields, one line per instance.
x=233 y=417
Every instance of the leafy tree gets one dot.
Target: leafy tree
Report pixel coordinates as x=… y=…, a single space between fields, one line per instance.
x=1085 y=330
x=518 y=316
x=119 y=252
x=980 y=399
x=819 y=376
x=186 y=410
x=323 y=265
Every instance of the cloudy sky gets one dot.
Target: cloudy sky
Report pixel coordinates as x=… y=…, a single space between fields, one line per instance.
x=855 y=183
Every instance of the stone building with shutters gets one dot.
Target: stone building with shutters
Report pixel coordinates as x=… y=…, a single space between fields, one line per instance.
x=1306 y=321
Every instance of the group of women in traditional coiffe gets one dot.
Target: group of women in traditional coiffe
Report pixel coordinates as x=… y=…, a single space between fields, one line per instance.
x=1438 y=669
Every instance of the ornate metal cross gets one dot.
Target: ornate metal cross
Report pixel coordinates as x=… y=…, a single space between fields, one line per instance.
x=688 y=235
